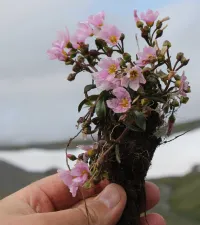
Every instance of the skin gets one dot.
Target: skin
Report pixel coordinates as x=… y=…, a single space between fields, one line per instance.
x=49 y=202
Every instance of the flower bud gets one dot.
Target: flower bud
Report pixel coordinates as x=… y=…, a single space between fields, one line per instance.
x=109 y=51
x=161 y=58
x=139 y=24
x=188 y=90
x=100 y=43
x=184 y=100
x=77 y=68
x=184 y=61
x=165 y=19
x=122 y=63
x=71 y=77
x=69 y=45
x=177 y=77
x=158 y=24
x=178 y=83
x=73 y=53
x=127 y=57
x=84 y=49
x=159 y=33
x=94 y=53
x=175 y=103
x=171 y=122
x=146 y=71
x=71 y=157
x=122 y=37
x=86 y=130
x=144 y=101
x=80 y=156
x=167 y=43
x=80 y=59
x=179 y=56
x=147 y=29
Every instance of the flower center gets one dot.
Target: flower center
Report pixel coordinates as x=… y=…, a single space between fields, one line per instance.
x=133 y=74
x=112 y=69
x=64 y=53
x=124 y=102
x=84 y=172
x=150 y=23
x=113 y=39
x=151 y=58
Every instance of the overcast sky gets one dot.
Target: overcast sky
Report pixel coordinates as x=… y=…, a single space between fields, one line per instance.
x=37 y=104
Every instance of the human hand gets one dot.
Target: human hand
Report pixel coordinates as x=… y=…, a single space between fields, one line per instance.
x=49 y=202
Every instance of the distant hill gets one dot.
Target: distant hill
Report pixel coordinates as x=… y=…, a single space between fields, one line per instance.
x=13 y=178
x=61 y=144
x=180 y=196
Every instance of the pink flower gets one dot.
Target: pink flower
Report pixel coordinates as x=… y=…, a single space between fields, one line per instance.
x=84 y=31
x=122 y=102
x=136 y=16
x=110 y=65
x=77 y=39
x=147 y=56
x=184 y=85
x=58 y=47
x=97 y=20
x=110 y=34
x=105 y=81
x=76 y=177
x=134 y=78
x=149 y=17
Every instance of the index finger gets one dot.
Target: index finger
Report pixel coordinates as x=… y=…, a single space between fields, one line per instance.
x=53 y=195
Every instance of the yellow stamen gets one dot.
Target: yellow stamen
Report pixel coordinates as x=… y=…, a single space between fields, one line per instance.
x=112 y=69
x=113 y=39
x=134 y=74
x=64 y=53
x=124 y=102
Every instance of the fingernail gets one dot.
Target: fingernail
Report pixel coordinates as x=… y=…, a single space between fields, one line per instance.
x=110 y=196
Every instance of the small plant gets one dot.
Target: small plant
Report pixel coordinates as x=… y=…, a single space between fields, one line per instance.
x=137 y=98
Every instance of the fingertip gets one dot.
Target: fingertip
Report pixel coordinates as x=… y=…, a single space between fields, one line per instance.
x=152 y=219
x=152 y=194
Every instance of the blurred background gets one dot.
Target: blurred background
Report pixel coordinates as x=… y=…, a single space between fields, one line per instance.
x=38 y=107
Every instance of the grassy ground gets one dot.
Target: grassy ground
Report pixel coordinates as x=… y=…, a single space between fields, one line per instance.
x=183 y=203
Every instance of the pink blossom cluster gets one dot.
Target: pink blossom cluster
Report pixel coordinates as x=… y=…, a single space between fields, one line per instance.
x=110 y=77
x=58 y=50
x=149 y=17
x=76 y=177
x=148 y=56
x=93 y=26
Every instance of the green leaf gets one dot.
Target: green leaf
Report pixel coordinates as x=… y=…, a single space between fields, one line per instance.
x=101 y=108
x=87 y=101
x=133 y=128
x=89 y=87
x=117 y=154
x=140 y=120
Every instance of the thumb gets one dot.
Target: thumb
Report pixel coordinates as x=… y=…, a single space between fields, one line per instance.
x=105 y=209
